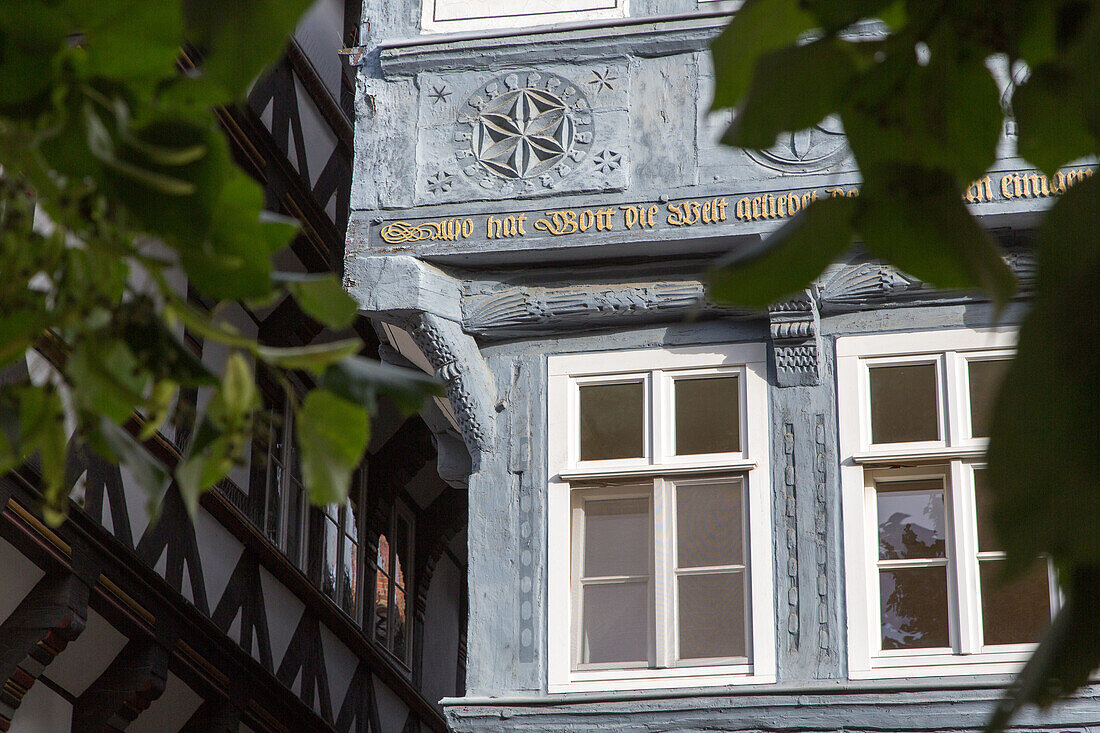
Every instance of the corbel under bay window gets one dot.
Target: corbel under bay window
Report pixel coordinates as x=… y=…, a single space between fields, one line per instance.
x=659 y=570
x=923 y=565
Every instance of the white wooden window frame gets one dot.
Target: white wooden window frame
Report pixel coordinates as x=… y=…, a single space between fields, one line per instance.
x=953 y=460
x=568 y=475
x=443 y=16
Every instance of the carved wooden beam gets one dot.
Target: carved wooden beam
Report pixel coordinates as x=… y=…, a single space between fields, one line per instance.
x=49 y=617
x=127 y=687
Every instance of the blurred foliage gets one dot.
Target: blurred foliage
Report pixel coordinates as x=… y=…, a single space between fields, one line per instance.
x=911 y=82
x=117 y=193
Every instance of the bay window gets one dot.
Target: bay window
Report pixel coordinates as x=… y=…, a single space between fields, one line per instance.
x=924 y=588
x=660 y=542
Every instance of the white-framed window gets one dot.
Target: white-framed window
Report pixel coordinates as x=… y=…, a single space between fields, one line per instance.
x=441 y=16
x=660 y=564
x=923 y=587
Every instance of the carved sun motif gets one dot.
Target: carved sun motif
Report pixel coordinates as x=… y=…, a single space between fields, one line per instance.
x=523 y=134
x=523 y=128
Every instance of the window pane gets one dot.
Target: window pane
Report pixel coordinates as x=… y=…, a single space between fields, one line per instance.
x=914 y=608
x=911 y=521
x=330 y=549
x=985 y=380
x=709 y=524
x=987 y=536
x=616 y=537
x=903 y=404
x=381 y=607
x=708 y=415
x=612 y=417
x=382 y=560
x=615 y=623
x=349 y=592
x=400 y=625
x=402 y=544
x=712 y=615
x=1018 y=612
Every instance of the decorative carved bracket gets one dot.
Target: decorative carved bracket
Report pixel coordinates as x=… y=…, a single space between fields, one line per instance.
x=49 y=617
x=127 y=687
x=470 y=387
x=796 y=341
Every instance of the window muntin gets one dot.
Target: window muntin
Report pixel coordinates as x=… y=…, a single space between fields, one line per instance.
x=920 y=561
x=695 y=601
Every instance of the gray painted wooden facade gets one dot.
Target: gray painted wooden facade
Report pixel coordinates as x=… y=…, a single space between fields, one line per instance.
x=491 y=262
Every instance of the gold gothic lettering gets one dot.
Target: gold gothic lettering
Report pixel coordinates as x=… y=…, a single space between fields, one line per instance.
x=700 y=212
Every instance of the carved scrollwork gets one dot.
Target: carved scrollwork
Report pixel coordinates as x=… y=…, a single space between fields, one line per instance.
x=530 y=311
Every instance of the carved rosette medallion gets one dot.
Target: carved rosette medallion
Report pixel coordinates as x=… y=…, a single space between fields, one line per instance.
x=806 y=151
x=523 y=132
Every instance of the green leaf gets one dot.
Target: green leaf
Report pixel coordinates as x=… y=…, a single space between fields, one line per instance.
x=314 y=358
x=107 y=379
x=916 y=219
x=945 y=115
x=223 y=432
x=332 y=436
x=1052 y=128
x=239 y=39
x=111 y=27
x=794 y=256
x=359 y=380
x=322 y=298
x=791 y=89
x=31 y=34
x=158 y=349
x=149 y=474
x=760 y=26
x=834 y=16
x=1047 y=402
x=42 y=431
x=18 y=329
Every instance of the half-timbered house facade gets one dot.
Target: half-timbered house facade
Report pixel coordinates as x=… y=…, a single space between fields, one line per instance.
x=260 y=613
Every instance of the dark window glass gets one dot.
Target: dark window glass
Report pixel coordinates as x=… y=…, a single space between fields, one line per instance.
x=612 y=420
x=712 y=615
x=985 y=379
x=1016 y=612
x=914 y=608
x=903 y=404
x=615 y=622
x=708 y=415
x=709 y=524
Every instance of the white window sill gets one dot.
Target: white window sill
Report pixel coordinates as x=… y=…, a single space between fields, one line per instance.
x=656 y=679
x=944 y=665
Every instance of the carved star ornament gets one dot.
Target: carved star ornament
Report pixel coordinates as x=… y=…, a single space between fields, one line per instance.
x=523 y=133
x=524 y=128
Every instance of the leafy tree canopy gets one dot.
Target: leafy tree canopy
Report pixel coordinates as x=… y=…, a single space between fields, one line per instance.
x=911 y=84
x=115 y=180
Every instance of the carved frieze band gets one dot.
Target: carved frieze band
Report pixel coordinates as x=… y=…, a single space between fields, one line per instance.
x=534 y=311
